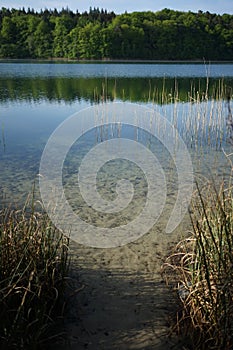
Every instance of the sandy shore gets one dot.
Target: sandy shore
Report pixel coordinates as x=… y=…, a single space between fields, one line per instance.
x=123 y=302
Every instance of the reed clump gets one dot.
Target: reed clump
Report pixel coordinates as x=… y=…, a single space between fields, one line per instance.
x=33 y=272
x=203 y=266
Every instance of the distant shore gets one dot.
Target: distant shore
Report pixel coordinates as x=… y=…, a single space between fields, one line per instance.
x=69 y=60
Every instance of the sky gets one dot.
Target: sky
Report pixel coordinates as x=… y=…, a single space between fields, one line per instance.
x=120 y=6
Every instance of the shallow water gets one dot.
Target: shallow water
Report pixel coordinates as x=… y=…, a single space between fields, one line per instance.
x=35 y=98
x=122 y=303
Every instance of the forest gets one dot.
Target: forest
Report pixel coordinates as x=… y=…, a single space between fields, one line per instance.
x=102 y=35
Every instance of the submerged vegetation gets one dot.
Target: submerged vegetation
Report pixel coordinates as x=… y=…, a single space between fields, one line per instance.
x=33 y=276
x=202 y=264
x=163 y=35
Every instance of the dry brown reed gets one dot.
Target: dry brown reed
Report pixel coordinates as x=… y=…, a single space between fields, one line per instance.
x=202 y=266
x=33 y=271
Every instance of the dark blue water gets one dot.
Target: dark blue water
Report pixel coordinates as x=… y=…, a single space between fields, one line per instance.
x=116 y=70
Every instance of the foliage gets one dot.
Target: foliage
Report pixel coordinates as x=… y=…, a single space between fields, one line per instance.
x=163 y=35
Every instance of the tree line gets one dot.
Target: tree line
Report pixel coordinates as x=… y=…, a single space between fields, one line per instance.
x=99 y=34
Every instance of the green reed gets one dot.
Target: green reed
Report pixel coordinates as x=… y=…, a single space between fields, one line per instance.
x=2 y=139
x=204 y=271
x=33 y=273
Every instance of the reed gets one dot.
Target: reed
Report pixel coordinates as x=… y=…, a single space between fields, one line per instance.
x=203 y=266
x=2 y=140
x=33 y=271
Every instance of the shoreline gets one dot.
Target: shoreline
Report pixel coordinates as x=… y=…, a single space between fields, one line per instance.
x=68 y=60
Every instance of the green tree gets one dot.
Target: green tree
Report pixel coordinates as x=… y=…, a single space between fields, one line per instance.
x=90 y=41
x=63 y=25
x=8 y=38
x=32 y=35
x=166 y=34
x=43 y=39
x=73 y=43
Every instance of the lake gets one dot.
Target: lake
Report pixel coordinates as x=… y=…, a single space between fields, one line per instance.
x=35 y=98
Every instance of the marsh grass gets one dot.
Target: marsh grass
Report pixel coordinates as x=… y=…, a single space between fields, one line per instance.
x=33 y=271
x=198 y=111
x=201 y=120
x=202 y=266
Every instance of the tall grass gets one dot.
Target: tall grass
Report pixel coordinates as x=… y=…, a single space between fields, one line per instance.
x=203 y=265
x=201 y=120
x=2 y=139
x=33 y=269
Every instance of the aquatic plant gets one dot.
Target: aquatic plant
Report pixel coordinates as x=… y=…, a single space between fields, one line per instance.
x=2 y=139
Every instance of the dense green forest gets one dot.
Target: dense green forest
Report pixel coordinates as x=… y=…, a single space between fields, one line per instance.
x=98 y=34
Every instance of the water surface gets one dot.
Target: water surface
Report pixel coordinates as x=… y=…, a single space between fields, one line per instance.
x=36 y=97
